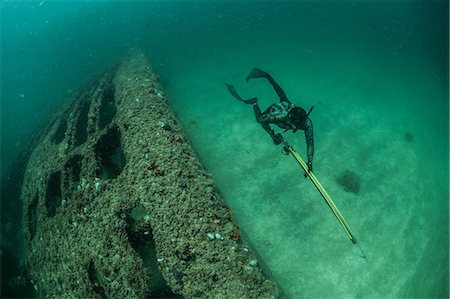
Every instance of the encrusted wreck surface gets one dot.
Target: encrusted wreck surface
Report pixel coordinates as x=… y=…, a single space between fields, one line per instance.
x=116 y=205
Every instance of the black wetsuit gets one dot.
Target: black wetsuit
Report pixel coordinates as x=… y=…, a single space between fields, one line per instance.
x=280 y=114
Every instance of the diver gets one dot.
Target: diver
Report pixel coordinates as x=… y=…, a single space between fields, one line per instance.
x=283 y=114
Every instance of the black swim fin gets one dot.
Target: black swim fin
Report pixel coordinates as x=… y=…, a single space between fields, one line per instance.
x=257 y=73
x=238 y=97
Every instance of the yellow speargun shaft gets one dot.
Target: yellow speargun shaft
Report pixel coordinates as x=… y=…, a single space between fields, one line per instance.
x=326 y=197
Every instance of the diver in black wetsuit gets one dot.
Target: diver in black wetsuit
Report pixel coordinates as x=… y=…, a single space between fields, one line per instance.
x=283 y=114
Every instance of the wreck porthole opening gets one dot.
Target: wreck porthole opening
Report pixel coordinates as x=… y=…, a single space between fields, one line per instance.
x=96 y=280
x=110 y=155
x=53 y=197
x=108 y=107
x=60 y=132
x=140 y=236
x=80 y=136
x=73 y=167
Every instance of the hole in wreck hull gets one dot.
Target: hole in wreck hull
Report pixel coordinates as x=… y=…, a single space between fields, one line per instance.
x=108 y=107
x=141 y=239
x=95 y=279
x=73 y=167
x=110 y=155
x=60 y=132
x=80 y=136
x=53 y=197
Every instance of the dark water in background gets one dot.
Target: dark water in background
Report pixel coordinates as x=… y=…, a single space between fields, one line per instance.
x=377 y=66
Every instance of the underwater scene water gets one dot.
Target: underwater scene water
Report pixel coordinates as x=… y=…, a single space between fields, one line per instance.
x=376 y=73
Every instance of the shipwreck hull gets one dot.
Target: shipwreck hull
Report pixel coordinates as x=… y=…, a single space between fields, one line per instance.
x=116 y=204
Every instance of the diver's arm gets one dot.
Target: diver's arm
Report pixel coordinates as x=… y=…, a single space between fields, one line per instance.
x=262 y=119
x=309 y=136
x=277 y=138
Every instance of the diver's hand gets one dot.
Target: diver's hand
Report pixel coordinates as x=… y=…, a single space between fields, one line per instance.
x=277 y=139
x=309 y=168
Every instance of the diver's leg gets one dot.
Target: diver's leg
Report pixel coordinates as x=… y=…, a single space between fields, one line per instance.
x=257 y=111
x=238 y=97
x=258 y=73
x=263 y=123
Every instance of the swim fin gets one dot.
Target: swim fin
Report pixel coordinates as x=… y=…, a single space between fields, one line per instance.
x=257 y=73
x=238 y=97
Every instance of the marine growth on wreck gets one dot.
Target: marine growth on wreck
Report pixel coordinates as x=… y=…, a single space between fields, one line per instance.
x=116 y=204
